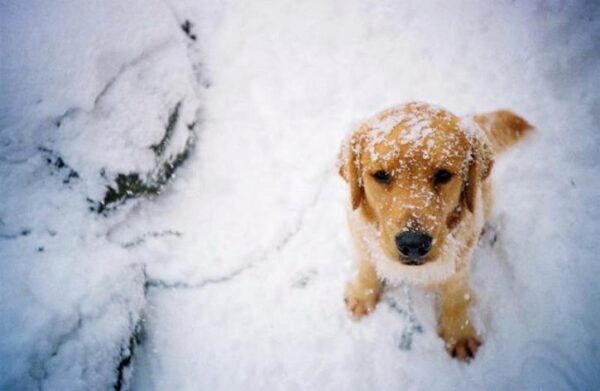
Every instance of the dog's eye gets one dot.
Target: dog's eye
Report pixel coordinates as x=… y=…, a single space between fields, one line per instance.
x=442 y=176
x=382 y=177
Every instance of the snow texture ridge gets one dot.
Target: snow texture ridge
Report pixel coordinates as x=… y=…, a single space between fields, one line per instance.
x=83 y=113
x=232 y=276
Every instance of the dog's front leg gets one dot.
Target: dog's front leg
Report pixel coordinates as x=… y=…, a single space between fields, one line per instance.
x=362 y=293
x=454 y=323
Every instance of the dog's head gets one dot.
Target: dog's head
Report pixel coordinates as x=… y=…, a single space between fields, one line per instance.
x=415 y=170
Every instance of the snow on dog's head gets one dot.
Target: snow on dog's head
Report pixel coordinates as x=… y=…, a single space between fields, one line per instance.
x=413 y=171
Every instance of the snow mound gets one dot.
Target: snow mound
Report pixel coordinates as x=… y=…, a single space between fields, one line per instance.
x=100 y=104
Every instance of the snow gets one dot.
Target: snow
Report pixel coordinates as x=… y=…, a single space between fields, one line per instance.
x=233 y=277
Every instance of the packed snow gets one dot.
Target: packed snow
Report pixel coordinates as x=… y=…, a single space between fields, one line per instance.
x=229 y=272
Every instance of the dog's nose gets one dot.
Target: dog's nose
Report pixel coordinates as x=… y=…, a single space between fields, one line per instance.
x=413 y=244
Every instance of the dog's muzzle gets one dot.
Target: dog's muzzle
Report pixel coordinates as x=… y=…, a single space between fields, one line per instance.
x=413 y=245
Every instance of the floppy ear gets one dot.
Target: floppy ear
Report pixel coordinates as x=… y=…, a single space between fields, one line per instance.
x=480 y=167
x=350 y=168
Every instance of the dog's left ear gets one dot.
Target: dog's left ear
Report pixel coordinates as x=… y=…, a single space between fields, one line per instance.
x=502 y=129
x=479 y=168
x=350 y=167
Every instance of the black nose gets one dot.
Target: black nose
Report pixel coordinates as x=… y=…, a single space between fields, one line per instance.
x=413 y=244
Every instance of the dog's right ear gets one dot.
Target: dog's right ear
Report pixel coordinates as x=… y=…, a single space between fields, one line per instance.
x=350 y=167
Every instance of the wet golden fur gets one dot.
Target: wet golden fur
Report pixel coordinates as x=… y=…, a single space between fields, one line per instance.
x=411 y=144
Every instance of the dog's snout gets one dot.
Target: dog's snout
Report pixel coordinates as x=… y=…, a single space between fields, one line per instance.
x=413 y=244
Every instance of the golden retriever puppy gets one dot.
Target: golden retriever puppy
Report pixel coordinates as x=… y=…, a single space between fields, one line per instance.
x=420 y=195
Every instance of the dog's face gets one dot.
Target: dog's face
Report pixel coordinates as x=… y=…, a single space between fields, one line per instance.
x=414 y=170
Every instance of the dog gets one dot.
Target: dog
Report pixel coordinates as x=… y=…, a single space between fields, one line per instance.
x=420 y=194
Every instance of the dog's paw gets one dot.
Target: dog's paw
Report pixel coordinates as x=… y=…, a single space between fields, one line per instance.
x=460 y=338
x=360 y=300
x=463 y=348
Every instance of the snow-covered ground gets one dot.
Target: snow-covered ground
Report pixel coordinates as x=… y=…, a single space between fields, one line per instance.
x=232 y=277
